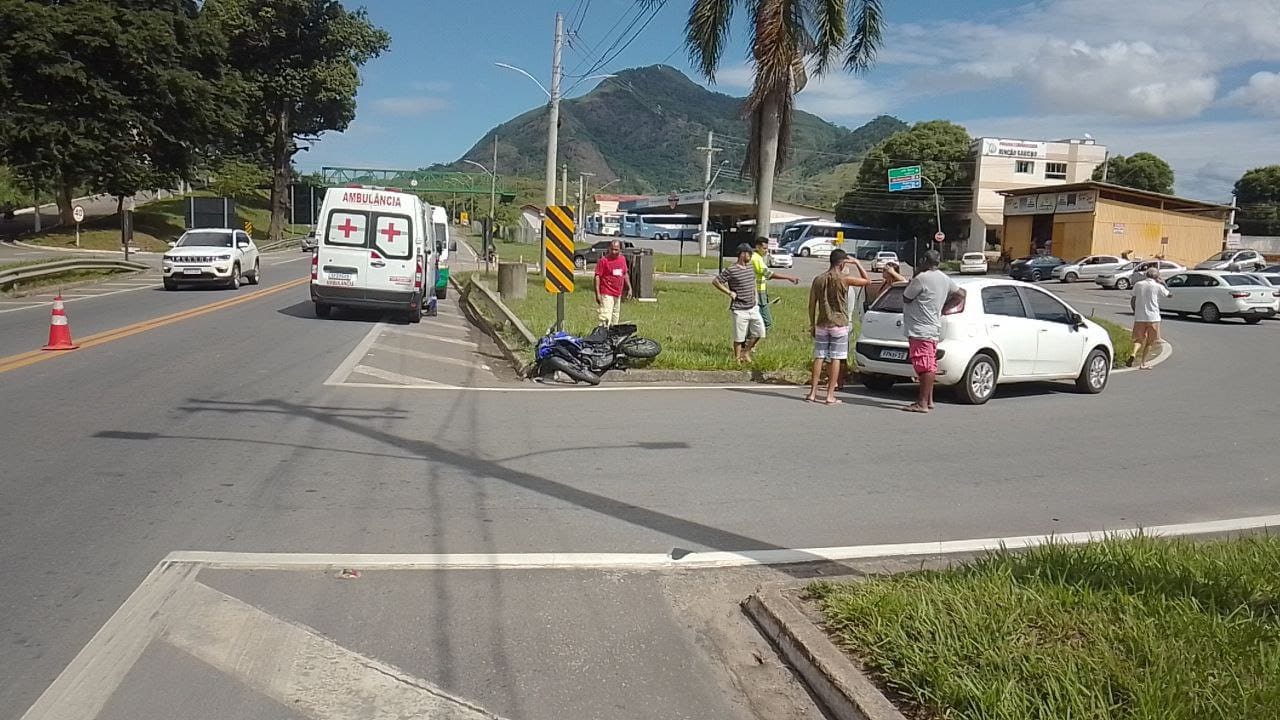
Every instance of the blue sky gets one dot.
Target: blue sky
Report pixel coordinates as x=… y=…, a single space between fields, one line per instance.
x=1196 y=81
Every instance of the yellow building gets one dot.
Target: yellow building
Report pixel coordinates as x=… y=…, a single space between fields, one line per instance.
x=1092 y=218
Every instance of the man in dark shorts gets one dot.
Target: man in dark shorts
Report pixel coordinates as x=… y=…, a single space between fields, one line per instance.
x=924 y=300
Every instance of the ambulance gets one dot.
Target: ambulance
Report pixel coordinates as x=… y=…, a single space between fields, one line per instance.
x=440 y=228
x=375 y=250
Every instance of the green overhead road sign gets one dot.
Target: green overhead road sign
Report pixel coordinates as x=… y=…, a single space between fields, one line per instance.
x=904 y=178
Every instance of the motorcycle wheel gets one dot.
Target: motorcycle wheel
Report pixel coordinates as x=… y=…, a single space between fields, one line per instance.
x=640 y=347
x=578 y=373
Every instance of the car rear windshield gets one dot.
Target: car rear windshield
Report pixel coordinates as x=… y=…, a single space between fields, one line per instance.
x=890 y=301
x=205 y=239
x=974 y=256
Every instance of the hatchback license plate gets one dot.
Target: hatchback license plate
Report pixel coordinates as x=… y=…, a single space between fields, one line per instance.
x=893 y=354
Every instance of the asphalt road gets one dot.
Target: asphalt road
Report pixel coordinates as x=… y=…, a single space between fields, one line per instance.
x=216 y=431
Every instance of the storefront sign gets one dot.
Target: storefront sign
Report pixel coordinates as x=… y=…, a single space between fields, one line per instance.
x=1117 y=228
x=1049 y=203
x=1022 y=149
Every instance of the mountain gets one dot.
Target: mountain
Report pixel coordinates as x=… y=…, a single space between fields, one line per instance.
x=644 y=125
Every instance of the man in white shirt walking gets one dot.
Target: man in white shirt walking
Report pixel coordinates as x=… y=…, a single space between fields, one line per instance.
x=1145 y=302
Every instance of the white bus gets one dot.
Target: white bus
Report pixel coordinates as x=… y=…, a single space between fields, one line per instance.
x=604 y=223
x=661 y=227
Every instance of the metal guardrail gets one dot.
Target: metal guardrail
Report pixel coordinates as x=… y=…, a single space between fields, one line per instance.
x=10 y=278
x=282 y=243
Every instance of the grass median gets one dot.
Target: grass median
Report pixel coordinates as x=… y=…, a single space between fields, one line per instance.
x=692 y=321
x=1126 y=629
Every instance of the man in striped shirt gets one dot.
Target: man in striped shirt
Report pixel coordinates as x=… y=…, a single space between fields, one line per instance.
x=738 y=281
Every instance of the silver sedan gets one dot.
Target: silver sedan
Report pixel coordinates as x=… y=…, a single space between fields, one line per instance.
x=1126 y=275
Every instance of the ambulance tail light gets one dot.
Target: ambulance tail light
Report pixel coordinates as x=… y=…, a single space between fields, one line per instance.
x=315 y=265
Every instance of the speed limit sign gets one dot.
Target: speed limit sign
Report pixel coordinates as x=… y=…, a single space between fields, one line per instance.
x=78 y=213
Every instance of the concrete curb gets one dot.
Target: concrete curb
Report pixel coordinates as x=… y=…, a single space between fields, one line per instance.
x=1163 y=352
x=842 y=688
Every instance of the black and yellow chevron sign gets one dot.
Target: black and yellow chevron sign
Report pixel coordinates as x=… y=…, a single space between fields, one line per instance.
x=557 y=248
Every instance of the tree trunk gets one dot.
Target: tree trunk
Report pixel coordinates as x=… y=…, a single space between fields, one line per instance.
x=770 y=120
x=64 y=202
x=279 y=173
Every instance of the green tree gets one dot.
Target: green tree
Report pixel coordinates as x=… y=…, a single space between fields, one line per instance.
x=110 y=96
x=1140 y=171
x=302 y=60
x=235 y=177
x=1258 y=195
x=942 y=149
x=787 y=38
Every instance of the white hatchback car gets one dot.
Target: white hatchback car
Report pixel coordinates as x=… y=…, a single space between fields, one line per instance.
x=973 y=263
x=1005 y=331
x=1214 y=294
x=779 y=257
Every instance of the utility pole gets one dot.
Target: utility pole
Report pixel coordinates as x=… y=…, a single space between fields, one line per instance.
x=564 y=184
x=1231 y=223
x=580 y=217
x=35 y=203
x=1106 y=164
x=553 y=141
x=711 y=151
x=493 y=203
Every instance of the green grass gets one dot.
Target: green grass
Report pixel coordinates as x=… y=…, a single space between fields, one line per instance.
x=156 y=223
x=1137 y=629
x=1121 y=339
x=24 y=263
x=66 y=278
x=692 y=321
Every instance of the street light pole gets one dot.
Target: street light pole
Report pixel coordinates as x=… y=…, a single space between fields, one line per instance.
x=582 y=200
x=711 y=150
x=937 y=204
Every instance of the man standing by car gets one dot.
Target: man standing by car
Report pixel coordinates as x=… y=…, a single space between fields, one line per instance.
x=1145 y=302
x=829 y=318
x=612 y=281
x=738 y=281
x=925 y=298
x=764 y=274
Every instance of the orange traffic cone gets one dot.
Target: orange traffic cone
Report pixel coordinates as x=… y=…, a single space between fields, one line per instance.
x=59 y=330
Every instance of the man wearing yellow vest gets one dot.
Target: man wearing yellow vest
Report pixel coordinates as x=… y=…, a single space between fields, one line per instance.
x=764 y=274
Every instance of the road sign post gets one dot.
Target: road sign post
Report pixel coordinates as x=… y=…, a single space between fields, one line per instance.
x=557 y=255
x=77 y=214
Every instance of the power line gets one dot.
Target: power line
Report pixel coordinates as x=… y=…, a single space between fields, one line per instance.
x=657 y=8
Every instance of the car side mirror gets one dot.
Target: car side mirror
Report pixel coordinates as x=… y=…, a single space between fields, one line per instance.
x=173 y=243
x=242 y=244
x=1077 y=320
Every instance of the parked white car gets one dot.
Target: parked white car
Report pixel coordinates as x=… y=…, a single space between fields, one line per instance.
x=974 y=263
x=813 y=246
x=1266 y=278
x=1005 y=331
x=1215 y=294
x=1235 y=261
x=779 y=257
x=1124 y=277
x=211 y=256
x=1087 y=268
x=883 y=259
x=713 y=238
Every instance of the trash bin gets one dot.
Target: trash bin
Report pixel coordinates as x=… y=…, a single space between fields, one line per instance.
x=640 y=269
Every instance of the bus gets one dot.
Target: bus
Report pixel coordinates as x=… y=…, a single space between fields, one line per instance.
x=661 y=227
x=608 y=224
x=817 y=238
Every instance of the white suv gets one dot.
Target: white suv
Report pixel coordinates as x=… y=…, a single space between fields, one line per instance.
x=1005 y=331
x=211 y=256
x=883 y=258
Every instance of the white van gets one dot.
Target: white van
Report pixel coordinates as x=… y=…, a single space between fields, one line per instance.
x=375 y=248
x=440 y=229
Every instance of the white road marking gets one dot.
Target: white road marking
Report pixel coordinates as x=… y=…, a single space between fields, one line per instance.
x=343 y=371
x=445 y=325
x=713 y=559
x=296 y=667
x=472 y=364
x=79 y=297
x=557 y=388
x=82 y=689
x=291 y=260
x=391 y=376
x=428 y=336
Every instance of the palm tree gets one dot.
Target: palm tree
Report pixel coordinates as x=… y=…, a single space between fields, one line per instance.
x=789 y=39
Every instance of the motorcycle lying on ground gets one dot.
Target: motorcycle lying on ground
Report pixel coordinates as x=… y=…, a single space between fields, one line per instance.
x=586 y=359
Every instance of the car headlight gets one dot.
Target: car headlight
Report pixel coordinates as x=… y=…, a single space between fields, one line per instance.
x=224 y=257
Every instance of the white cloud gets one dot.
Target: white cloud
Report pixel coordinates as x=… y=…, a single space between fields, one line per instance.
x=1134 y=59
x=1261 y=94
x=410 y=106
x=834 y=96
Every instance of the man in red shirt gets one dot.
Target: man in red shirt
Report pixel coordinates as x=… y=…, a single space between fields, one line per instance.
x=612 y=280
